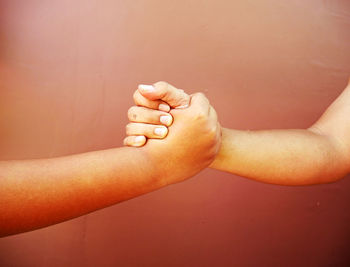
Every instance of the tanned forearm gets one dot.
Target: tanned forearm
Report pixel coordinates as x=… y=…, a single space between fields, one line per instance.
x=38 y=193
x=320 y=154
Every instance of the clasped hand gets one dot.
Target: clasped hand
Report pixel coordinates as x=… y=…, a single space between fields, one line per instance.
x=179 y=132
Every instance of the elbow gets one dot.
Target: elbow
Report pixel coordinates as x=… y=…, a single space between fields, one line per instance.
x=334 y=163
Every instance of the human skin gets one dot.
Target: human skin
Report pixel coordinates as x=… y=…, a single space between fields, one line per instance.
x=317 y=155
x=154 y=108
x=39 y=193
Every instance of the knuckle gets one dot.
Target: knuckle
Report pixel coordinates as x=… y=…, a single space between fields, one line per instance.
x=128 y=140
x=150 y=130
x=200 y=95
x=200 y=115
x=211 y=134
x=161 y=85
x=212 y=131
x=128 y=128
x=132 y=113
x=125 y=141
x=163 y=88
x=136 y=95
x=213 y=111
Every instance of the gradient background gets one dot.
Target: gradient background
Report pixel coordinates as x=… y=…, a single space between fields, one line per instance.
x=67 y=73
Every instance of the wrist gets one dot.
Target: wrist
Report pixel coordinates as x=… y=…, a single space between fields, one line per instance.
x=221 y=156
x=166 y=169
x=157 y=168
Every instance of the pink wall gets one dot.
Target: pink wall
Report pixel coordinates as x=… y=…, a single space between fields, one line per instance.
x=67 y=73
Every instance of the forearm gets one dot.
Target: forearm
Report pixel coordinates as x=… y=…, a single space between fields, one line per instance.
x=286 y=157
x=38 y=193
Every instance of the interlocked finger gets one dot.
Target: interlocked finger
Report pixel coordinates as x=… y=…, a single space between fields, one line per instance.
x=151 y=116
x=148 y=130
x=136 y=141
x=140 y=100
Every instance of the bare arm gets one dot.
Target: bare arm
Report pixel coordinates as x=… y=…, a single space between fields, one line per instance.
x=38 y=193
x=320 y=154
x=285 y=157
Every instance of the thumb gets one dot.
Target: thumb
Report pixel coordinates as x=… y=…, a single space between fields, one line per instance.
x=176 y=98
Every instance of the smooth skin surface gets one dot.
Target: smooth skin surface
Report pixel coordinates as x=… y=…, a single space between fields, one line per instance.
x=39 y=193
x=317 y=155
x=153 y=104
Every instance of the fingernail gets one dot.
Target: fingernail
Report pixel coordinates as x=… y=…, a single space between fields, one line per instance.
x=147 y=88
x=166 y=120
x=161 y=131
x=164 y=107
x=183 y=106
x=139 y=139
